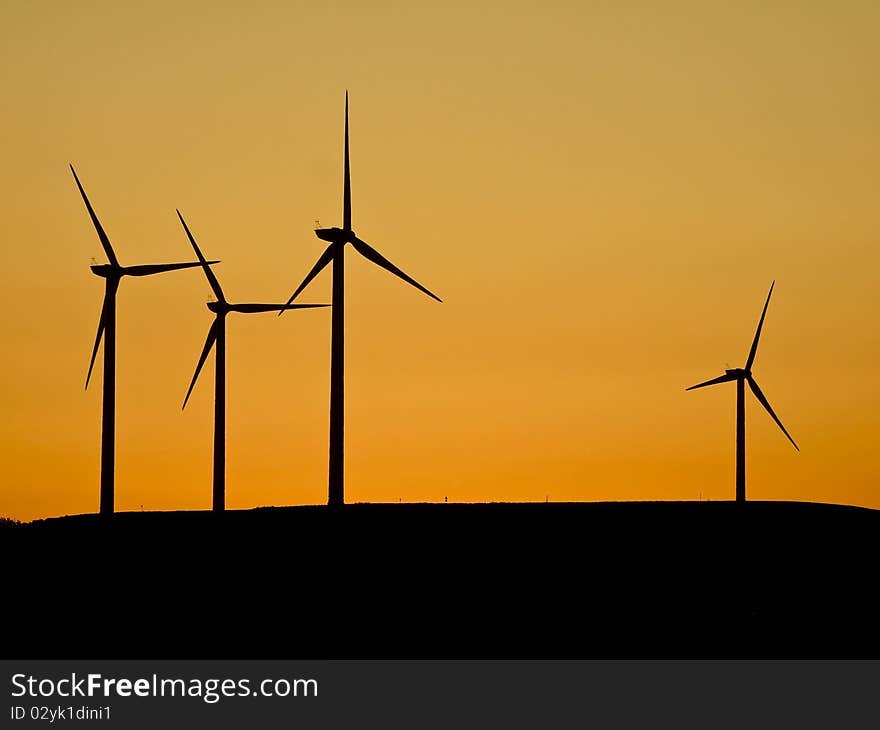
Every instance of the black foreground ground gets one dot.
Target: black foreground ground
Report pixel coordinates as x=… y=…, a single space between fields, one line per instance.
x=631 y=579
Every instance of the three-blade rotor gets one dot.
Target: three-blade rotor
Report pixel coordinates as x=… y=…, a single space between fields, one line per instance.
x=117 y=271
x=340 y=237
x=746 y=373
x=111 y=287
x=221 y=307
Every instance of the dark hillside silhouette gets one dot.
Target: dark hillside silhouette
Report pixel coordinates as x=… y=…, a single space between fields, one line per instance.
x=500 y=580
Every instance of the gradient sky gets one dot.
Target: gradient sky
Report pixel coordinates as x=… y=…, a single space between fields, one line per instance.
x=601 y=192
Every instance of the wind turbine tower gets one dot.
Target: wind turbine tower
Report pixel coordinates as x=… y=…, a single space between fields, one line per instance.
x=112 y=273
x=741 y=376
x=217 y=338
x=335 y=254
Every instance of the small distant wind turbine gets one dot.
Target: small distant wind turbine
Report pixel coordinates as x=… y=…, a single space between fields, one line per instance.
x=335 y=254
x=217 y=336
x=743 y=376
x=112 y=274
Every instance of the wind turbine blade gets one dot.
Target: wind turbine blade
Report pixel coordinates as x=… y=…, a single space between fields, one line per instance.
x=254 y=308
x=346 y=191
x=325 y=259
x=150 y=269
x=764 y=402
x=754 y=349
x=212 y=280
x=102 y=324
x=371 y=254
x=206 y=350
x=105 y=242
x=721 y=379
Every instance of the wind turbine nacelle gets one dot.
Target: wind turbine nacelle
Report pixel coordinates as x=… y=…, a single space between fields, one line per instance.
x=739 y=372
x=334 y=235
x=104 y=270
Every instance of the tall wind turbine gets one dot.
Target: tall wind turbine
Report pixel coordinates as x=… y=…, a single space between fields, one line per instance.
x=743 y=376
x=112 y=274
x=335 y=254
x=217 y=336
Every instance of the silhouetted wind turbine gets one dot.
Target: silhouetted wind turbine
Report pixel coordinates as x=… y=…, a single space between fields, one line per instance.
x=217 y=336
x=112 y=274
x=743 y=376
x=335 y=254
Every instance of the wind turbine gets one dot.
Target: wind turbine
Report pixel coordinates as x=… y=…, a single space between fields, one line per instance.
x=743 y=376
x=335 y=254
x=112 y=274
x=217 y=336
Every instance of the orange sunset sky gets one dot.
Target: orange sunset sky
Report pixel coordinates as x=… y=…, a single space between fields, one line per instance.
x=601 y=192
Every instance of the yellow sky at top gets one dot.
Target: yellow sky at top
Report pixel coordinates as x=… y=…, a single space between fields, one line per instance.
x=600 y=192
